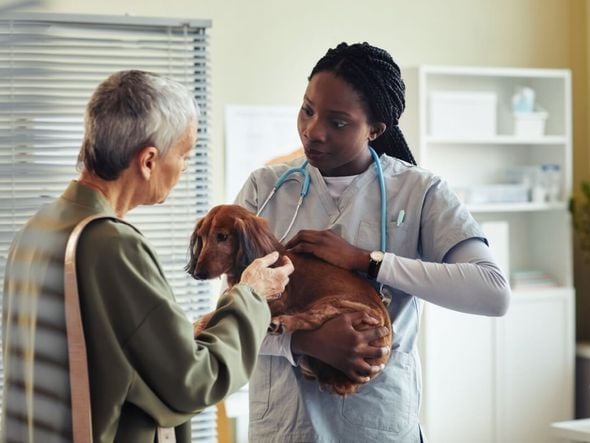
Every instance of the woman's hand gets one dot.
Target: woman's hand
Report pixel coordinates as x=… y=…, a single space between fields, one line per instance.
x=330 y=247
x=268 y=282
x=341 y=344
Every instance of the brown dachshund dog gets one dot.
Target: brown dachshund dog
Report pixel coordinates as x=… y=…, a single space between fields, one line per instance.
x=230 y=237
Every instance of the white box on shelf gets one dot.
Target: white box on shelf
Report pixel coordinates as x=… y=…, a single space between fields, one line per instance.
x=529 y=124
x=498 y=193
x=463 y=114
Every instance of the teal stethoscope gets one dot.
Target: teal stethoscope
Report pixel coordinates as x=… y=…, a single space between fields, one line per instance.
x=305 y=189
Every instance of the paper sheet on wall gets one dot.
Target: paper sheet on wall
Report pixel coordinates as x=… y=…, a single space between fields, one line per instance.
x=255 y=136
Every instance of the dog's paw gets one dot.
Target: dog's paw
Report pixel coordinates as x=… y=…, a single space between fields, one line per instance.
x=275 y=327
x=306 y=369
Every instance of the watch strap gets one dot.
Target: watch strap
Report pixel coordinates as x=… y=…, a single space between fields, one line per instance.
x=374 y=266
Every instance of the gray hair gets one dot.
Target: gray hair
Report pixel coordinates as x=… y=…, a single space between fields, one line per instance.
x=131 y=110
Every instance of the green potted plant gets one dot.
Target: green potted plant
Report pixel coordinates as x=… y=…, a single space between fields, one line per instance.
x=580 y=210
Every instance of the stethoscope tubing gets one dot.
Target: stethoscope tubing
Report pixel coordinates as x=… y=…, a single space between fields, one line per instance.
x=383 y=193
x=302 y=169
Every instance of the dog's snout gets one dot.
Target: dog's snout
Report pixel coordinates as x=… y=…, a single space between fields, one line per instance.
x=198 y=272
x=201 y=275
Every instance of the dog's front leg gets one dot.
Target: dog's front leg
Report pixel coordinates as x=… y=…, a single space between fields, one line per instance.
x=314 y=316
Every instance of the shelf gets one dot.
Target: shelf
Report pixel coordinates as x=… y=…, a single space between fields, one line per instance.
x=505 y=359
x=578 y=430
x=471 y=71
x=538 y=294
x=517 y=207
x=506 y=140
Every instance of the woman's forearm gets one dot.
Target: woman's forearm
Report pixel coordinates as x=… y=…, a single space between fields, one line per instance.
x=469 y=280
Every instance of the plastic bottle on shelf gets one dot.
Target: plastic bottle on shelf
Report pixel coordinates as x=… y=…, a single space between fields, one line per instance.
x=552 y=178
x=538 y=185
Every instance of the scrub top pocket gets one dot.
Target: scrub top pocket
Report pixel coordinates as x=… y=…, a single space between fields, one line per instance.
x=398 y=238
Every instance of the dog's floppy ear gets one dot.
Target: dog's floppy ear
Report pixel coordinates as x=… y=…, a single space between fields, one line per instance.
x=254 y=240
x=195 y=247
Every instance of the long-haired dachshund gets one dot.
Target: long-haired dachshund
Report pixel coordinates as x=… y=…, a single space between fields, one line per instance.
x=230 y=237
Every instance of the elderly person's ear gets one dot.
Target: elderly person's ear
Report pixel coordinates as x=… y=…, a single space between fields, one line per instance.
x=147 y=158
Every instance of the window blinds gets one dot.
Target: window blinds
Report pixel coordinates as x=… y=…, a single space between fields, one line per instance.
x=49 y=66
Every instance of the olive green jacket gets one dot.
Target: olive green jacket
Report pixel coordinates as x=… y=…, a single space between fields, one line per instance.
x=146 y=369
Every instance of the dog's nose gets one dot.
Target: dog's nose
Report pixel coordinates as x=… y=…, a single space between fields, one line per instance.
x=202 y=275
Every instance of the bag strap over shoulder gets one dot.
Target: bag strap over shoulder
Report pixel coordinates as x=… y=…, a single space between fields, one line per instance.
x=79 y=382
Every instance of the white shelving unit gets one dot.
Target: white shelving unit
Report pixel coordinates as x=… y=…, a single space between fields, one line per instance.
x=501 y=379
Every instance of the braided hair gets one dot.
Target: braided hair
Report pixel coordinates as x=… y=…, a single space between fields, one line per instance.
x=374 y=75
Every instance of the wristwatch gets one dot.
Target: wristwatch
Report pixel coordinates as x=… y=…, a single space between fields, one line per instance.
x=375 y=259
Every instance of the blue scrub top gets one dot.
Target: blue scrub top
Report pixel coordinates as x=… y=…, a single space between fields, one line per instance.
x=284 y=406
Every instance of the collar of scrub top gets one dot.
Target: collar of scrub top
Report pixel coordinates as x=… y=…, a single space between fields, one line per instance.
x=305 y=189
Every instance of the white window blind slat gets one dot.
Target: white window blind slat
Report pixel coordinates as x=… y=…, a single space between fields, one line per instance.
x=89 y=54
x=49 y=66
x=30 y=76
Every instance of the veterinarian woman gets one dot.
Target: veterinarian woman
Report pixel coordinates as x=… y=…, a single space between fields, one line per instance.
x=146 y=368
x=434 y=252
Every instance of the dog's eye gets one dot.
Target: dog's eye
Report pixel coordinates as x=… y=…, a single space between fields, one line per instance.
x=221 y=237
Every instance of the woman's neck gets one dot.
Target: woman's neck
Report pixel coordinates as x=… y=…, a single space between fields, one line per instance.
x=117 y=192
x=356 y=166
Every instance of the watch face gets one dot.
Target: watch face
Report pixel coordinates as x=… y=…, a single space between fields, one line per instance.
x=377 y=256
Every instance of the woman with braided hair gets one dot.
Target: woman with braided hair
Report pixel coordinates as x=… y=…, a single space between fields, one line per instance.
x=434 y=252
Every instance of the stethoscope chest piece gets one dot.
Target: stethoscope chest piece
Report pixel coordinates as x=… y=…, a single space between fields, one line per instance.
x=386 y=300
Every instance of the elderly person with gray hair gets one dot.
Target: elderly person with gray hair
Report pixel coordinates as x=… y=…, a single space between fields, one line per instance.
x=146 y=368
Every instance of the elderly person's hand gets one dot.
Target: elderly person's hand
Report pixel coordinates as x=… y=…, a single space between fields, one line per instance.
x=265 y=281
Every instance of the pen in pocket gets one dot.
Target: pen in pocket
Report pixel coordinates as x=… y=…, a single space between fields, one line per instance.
x=400 y=217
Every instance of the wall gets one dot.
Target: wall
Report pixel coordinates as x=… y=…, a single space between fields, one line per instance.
x=263 y=50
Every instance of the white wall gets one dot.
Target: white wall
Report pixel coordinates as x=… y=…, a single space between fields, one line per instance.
x=263 y=50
